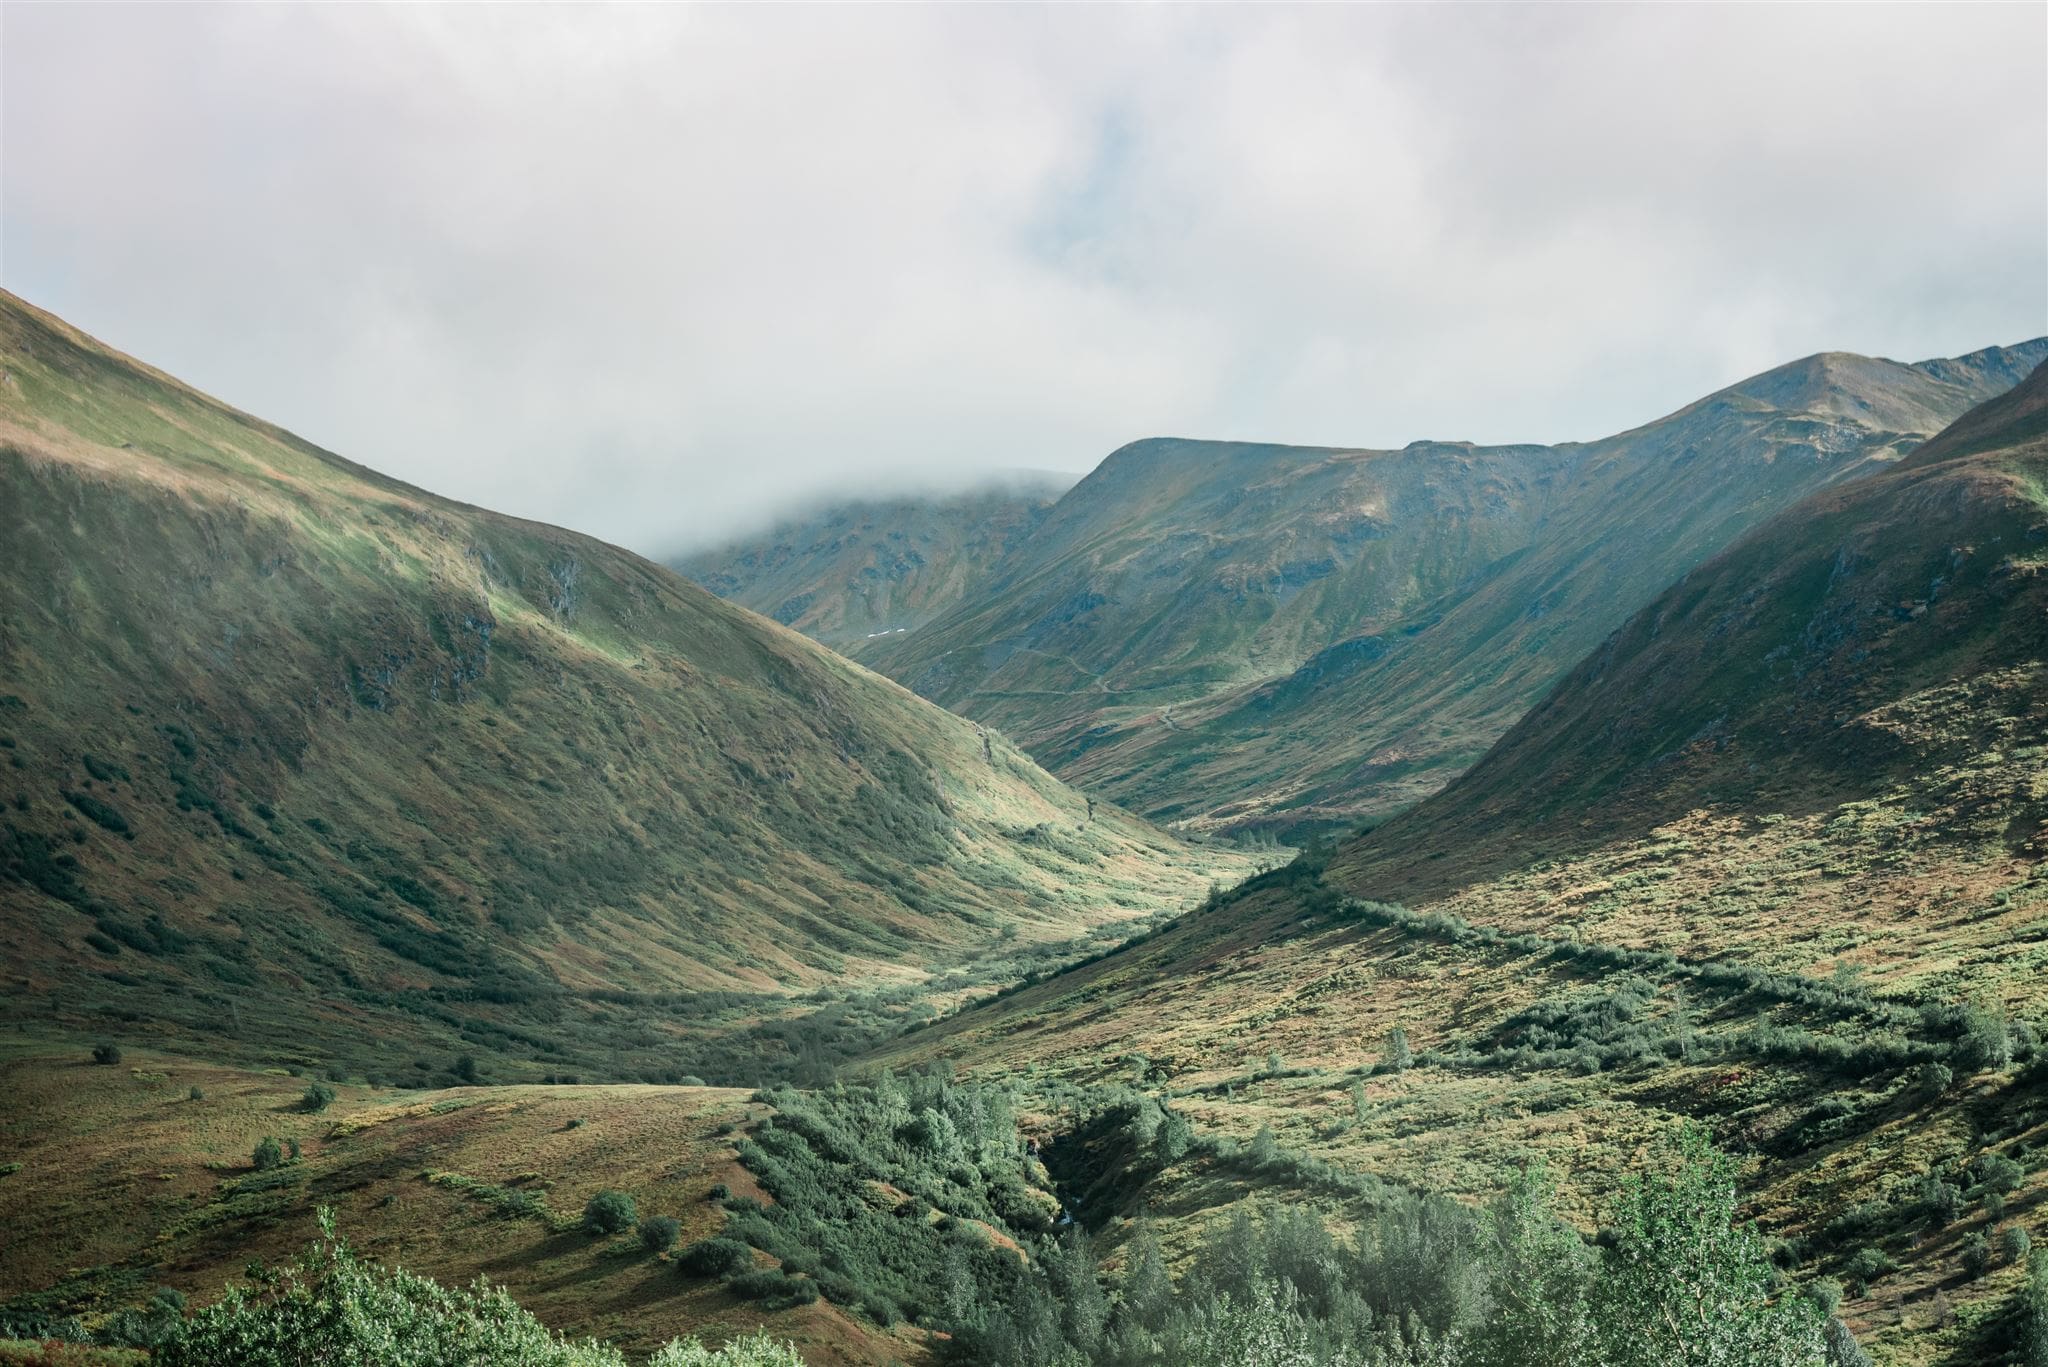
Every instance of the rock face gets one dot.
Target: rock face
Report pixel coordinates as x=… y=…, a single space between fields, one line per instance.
x=278 y=730
x=1238 y=634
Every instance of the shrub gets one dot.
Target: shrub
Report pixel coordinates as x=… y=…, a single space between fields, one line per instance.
x=1826 y=1294
x=2014 y=1244
x=332 y=1307
x=1976 y=1256
x=1395 y=1055
x=1867 y=1265
x=106 y=1055
x=319 y=1096
x=609 y=1212
x=268 y=1154
x=773 y=1290
x=195 y=1094
x=757 y=1350
x=658 y=1233
x=1997 y=1173
x=716 y=1258
x=719 y=1192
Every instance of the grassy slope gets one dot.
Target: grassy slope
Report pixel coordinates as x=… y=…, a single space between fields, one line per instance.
x=1178 y=568
x=126 y=1185
x=852 y=573
x=302 y=757
x=1234 y=634
x=1396 y=709
x=1783 y=764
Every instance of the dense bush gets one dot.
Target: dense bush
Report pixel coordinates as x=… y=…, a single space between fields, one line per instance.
x=319 y=1096
x=1426 y=1280
x=268 y=1154
x=609 y=1212
x=716 y=1258
x=658 y=1233
x=107 y=1055
x=334 y=1309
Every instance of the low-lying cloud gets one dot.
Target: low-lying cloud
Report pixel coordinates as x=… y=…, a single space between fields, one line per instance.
x=655 y=272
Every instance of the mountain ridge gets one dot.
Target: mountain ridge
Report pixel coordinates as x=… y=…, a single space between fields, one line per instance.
x=273 y=721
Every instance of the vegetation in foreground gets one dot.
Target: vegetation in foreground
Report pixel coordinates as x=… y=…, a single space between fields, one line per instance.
x=908 y=1198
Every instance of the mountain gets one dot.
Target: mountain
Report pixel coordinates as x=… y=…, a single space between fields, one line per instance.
x=1874 y=633
x=1772 y=859
x=850 y=574
x=1236 y=635
x=303 y=759
x=1178 y=568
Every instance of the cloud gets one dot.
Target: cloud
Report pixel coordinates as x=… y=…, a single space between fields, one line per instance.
x=657 y=271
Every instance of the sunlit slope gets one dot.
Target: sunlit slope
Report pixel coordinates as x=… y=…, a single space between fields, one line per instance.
x=855 y=573
x=128 y=1182
x=1888 y=630
x=1181 y=568
x=1398 y=706
x=284 y=735
x=1773 y=859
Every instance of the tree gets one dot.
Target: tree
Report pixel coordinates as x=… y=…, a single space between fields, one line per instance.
x=1684 y=1283
x=609 y=1212
x=319 y=1096
x=1146 y=1296
x=465 y=1068
x=1540 y=1315
x=106 y=1055
x=268 y=1154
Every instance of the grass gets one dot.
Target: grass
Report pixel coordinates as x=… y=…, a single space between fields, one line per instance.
x=308 y=761
x=139 y=1187
x=1868 y=910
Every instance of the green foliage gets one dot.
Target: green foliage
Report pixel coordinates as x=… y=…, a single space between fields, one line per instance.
x=1684 y=1282
x=716 y=1258
x=756 y=1350
x=333 y=1308
x=2014 y=1244
x=1395 y=1055
x=1975 y=1255
x=658 y=1233
x=319 y=1096
x=106 y=1055
x=268 y=1154
x=609 y=1212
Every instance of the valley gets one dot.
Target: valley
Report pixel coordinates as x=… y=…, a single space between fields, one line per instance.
x=932 y=1058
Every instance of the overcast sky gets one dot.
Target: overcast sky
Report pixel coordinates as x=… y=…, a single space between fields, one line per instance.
x=652 y=272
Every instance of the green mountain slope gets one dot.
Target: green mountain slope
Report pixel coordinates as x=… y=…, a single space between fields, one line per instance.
x=302 y=756
x=851 y=574
x=1237 y=635
x=1180 y=568
x=1871 y=634
x=1774 y=859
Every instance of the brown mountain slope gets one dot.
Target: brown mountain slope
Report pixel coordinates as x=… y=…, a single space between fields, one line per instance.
x=1790 y=672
